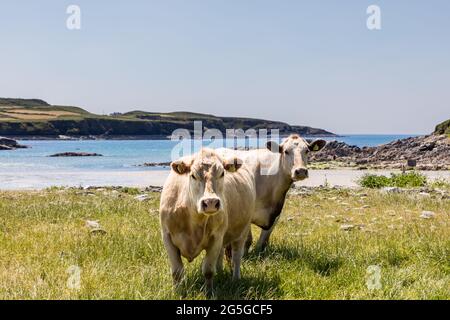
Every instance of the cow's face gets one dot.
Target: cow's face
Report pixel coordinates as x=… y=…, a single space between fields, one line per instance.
x=294 y=155
x=206 y=173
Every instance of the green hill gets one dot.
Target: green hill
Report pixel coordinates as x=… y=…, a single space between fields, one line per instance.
x=34 y=117
x=443 y=128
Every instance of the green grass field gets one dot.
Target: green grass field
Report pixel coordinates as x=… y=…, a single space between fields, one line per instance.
x=322 y=249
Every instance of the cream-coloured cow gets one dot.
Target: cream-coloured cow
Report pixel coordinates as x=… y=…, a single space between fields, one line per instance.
x=206 y=204
x=274 y=170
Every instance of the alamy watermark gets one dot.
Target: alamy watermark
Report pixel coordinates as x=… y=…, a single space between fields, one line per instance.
x=238 y=139
x=374 y=20
x=73 y=21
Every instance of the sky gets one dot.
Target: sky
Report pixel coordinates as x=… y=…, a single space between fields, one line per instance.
x=309 y=63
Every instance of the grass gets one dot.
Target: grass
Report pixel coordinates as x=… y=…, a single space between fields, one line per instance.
x=402 y=180
x=443 y=128
x=43 y=236
x=440 y=184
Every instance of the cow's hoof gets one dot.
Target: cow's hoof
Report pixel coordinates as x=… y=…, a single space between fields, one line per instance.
x=260 y=249
x=208 y=287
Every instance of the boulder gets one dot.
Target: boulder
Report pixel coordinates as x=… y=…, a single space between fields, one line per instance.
x=3 y=147
x=76 y=154
x=155 y=164
x=9 y=144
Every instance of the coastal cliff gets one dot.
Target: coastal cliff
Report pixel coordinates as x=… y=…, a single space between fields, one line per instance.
x=34 y=117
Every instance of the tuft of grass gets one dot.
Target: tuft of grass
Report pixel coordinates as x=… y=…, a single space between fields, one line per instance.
x=44 y=240
x=130 y=190
x=440 y=184
x=410 y=179
x=374 y=181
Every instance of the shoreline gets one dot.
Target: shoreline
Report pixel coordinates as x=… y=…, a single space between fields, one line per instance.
x=144 y=178
x=129 y=137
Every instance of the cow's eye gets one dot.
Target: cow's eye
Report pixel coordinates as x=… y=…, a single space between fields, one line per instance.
x=223 y=174
x=193 y=177
x=286 y=152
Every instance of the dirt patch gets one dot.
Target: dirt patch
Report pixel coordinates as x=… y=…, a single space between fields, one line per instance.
x=26 y=114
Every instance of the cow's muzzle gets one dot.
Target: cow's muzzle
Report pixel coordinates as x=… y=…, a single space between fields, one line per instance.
x=299 y=174
x=210 y=205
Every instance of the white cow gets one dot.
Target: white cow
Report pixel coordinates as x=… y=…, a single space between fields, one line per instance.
x=274 y=170
x=206 y=204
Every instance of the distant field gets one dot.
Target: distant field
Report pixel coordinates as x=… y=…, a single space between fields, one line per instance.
x=8 y=113
x=327 y=246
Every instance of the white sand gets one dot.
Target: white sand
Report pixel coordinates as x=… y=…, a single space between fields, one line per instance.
x=40 y=180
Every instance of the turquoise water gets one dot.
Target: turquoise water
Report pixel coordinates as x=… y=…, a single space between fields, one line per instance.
x=119 y=155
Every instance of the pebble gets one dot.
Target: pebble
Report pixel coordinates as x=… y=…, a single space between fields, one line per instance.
x=94 y=224
x=362 y=194
x=424 y=194
x=391 y=189
x=95 y=227
x=427 y=214
x=347 y=227
x=142 y=197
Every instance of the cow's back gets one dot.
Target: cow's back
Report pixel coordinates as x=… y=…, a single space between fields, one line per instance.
x=240 y=197
x=270 y=185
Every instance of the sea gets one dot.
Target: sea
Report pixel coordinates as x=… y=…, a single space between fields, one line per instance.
x=121 y=161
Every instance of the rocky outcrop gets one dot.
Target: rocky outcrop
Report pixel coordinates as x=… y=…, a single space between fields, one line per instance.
x=430 y=152
x=76 y=154
x=155 y=164
x=9 y=144
x=443 y=128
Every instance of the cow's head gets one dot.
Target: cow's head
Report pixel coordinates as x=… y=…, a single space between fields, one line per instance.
x=294 y=155
x=206 y=172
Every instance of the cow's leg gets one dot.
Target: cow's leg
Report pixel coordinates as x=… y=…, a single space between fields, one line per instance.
x=264 y=237
x=219 y=264
x=248 y=242
x=175 y=259
x=237 y=253
x=210 y=263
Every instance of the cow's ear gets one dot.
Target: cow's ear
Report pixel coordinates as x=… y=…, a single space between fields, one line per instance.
x=317 y=145
x=232 y=165
x=180 y=167
x=274 y=147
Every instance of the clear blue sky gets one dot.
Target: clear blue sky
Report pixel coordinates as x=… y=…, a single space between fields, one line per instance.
x=304 y=62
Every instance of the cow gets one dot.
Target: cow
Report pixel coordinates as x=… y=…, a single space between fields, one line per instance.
x=206 y=203
x=274 y=170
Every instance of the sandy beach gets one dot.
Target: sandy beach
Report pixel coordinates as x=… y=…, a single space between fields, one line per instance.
x=143 y=178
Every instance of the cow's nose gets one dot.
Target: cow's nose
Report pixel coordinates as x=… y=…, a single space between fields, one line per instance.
x=301 y=173
x=210 y=205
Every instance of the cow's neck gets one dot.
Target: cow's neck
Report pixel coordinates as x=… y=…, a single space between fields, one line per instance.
x=283 y=184
x=280 y=182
